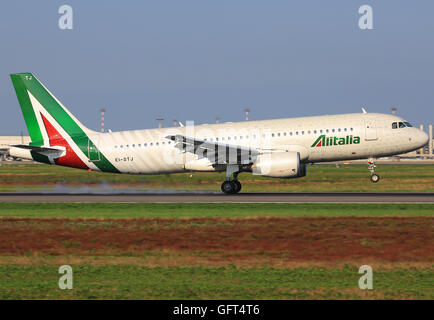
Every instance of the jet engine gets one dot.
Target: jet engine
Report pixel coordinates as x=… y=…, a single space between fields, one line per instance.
x=279 y=165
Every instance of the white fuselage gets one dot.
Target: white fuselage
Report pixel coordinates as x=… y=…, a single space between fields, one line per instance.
x=150 y=152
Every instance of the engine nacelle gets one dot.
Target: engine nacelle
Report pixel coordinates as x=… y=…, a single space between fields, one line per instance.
x=279 y=165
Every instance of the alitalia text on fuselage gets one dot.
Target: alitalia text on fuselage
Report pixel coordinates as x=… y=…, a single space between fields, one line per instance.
x=324 y=141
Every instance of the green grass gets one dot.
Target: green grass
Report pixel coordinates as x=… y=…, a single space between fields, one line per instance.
x=139 y=282
x=37 y=276
x=320 y=178
x=186 y=210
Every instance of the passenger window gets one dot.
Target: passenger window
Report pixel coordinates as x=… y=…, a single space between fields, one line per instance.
x=278 y=134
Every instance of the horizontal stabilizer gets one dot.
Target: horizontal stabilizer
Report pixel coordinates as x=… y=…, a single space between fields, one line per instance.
x=53 y=152
x=36 y=149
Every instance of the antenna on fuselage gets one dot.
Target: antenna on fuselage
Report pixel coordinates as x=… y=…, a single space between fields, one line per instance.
x=364 y=110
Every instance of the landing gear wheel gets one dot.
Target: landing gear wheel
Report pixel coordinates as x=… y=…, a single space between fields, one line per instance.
x=375 y=178
x=237 y=186
x=228 y=187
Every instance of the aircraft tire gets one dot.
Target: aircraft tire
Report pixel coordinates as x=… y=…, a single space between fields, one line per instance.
x=228 y=187
x=375 y=178
x=238 y=186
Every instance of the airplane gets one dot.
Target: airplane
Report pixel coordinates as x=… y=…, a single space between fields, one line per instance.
x=280 y=148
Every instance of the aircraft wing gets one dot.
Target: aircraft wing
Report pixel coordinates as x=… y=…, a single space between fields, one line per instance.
x=215 y=152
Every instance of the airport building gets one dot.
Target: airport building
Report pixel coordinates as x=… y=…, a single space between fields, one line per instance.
x=6 y=141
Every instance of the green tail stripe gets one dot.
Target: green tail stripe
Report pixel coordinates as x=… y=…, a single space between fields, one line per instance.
x=27 y=81
x=27 y=109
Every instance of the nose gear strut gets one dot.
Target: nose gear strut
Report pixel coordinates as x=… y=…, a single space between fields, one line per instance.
x=374 y=177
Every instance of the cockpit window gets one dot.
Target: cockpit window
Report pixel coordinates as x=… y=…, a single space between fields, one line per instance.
x=396 y=125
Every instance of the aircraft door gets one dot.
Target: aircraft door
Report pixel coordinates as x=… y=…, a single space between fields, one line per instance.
x=370 y=130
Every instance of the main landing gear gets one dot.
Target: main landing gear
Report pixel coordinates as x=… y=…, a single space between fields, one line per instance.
x=374 y=177
x=231 y=186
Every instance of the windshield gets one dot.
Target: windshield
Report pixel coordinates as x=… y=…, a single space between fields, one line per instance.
x=396 y=125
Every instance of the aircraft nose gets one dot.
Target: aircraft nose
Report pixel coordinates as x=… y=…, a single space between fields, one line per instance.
x=421 y=138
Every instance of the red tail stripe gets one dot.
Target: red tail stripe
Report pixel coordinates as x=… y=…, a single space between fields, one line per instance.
x=70 y=159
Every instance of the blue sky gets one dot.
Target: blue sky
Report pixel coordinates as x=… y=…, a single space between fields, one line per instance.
x=197 y=59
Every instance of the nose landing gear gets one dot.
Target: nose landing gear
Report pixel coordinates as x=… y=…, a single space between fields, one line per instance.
x=374 y=177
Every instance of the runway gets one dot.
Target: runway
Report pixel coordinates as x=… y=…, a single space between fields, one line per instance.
x=178 y=197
